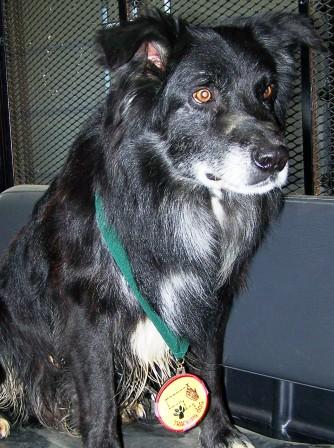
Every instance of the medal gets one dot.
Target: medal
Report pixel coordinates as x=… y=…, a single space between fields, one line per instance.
x=182 y=402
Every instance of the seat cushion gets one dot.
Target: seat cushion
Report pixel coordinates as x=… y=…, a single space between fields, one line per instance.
x=283 y=326
x=16 y=205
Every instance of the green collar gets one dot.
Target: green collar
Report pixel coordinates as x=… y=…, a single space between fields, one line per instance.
x=178 y=346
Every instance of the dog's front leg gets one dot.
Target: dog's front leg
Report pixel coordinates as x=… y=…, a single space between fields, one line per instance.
x=92 y=368
x=217 y=431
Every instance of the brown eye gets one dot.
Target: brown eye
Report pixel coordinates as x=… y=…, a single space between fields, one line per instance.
x=268 y=93
x=202 y=96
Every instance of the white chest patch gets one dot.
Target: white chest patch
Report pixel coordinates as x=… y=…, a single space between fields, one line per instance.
x=217 y=209
x=195 y=229
x=147 y=344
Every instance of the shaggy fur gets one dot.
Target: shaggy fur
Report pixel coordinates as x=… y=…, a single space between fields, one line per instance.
x=190 y=186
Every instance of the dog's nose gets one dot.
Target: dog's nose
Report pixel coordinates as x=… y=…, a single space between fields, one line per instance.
x=271 y=159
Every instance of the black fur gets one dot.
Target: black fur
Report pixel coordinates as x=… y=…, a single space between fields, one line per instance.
x=162 y=163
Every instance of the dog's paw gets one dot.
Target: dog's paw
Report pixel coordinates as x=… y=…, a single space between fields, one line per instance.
x=237 y=440
x=4 y=428
x=133 y=413
x=232 y=439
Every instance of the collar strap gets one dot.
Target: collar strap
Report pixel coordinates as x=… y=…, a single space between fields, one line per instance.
x=177 y=345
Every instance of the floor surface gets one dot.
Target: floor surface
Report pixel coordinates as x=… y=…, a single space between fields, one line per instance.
x=135 y=436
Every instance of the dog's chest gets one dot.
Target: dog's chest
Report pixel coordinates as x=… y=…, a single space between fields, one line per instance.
x=238 y=225
x=226 y=228
x=147 y=344
x=195 y=230
x=183 y=292
x=149 y=362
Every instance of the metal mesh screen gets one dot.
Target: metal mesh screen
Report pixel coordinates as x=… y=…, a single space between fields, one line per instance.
x=322 y=69
x=54 y=82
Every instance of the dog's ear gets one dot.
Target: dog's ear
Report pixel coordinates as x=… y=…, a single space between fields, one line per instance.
x=284 y=31
x=281 y=35
x=149 y=39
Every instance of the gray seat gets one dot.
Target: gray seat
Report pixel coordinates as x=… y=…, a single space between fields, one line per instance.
x=283 y=326
x=16 y=205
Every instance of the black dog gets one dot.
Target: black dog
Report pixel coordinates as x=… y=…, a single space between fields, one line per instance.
x=188 y=157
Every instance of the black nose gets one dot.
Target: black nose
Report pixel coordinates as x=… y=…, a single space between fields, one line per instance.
x=271 y=159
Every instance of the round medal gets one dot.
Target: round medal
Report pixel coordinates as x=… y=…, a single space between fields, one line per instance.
x=182 y=402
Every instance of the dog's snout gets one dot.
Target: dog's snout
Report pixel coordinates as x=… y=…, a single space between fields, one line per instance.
x=271 y=159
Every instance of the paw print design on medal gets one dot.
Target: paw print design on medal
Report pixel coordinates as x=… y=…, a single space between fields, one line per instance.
x=179 y=412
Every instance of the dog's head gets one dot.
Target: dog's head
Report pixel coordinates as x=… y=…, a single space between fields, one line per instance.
x=216 y=97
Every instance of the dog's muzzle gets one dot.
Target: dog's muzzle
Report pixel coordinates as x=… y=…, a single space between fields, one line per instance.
x=270 y=160
x=253 y=170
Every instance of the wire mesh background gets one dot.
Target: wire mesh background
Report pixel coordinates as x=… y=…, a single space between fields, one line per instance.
x=54 y=82
x=322 y=67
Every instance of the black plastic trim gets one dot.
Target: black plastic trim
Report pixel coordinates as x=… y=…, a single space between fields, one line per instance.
x=279 y=409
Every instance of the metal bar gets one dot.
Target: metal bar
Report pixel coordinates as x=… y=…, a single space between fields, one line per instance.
x=6 y=153
x=122 y=11
x=306 y=110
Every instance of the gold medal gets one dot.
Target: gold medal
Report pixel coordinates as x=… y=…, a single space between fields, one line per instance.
x=182 y=402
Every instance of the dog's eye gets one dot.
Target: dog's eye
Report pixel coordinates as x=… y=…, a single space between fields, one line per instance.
x=268 y=93
x=203 y=95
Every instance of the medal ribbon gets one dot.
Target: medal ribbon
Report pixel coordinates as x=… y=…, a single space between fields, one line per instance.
x=177 y=345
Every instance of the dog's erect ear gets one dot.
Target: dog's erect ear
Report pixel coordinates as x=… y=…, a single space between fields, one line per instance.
x=148 y=38
x=285 y=31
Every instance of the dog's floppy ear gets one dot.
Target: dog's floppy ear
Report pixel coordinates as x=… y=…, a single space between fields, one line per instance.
x=284 y=31
x=148 y=38
x=281 y=35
